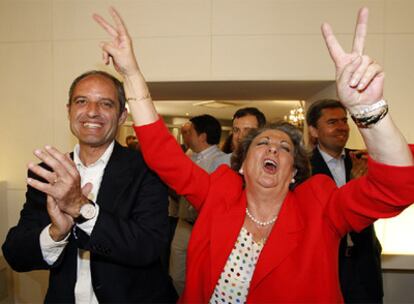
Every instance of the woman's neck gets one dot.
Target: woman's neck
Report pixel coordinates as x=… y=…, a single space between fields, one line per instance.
x=265 y=202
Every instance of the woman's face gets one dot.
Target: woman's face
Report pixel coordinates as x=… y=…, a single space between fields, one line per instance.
x=269 y=160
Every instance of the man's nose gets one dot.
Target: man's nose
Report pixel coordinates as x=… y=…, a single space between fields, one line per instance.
x=92 y=108
x=343 y=125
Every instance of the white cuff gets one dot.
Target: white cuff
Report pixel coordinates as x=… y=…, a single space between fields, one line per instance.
x=51 y=250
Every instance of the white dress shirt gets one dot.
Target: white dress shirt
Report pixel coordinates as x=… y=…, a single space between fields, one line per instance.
x=336 y=166
x=206 y=159
x=51 y=250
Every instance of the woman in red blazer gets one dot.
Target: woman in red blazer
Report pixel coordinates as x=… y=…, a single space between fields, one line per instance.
x=258 y=238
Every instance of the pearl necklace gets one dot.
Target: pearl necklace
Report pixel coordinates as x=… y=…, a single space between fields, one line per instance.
x=260 y=223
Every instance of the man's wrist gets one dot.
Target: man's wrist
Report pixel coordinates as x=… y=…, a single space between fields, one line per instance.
x=86 y=212
x=56 y=235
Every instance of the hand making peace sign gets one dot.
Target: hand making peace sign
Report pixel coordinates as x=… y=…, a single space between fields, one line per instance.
x=120 y=49
x=360 y=80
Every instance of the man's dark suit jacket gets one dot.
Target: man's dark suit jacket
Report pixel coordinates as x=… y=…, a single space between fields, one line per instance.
x=126 y=244
x=360 y=272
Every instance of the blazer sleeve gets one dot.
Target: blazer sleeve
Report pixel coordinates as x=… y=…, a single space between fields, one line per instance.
x=134 y=230
x=384 y=192
x=22 y=245
x=163 y=155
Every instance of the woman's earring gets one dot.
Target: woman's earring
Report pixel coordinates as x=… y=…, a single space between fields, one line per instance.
x=241 y=171
x=293 y=180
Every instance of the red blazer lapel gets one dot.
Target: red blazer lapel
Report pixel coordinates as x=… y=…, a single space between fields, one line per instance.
x=225 y=228
x=284 y=238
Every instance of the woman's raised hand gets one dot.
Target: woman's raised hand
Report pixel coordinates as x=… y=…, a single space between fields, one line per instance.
x=120 y=47
x=360 y=80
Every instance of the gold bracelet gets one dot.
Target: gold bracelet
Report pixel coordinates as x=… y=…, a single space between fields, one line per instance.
x=146 y=97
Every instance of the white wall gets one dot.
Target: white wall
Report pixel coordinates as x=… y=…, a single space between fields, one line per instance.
x=44 y=44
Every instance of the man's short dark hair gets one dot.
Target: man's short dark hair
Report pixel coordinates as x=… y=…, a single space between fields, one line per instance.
x=261 y=119
x=118 y=85
x=209 y=125
x=315 y=110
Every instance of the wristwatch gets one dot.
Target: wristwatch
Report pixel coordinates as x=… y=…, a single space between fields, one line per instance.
x=87 y=211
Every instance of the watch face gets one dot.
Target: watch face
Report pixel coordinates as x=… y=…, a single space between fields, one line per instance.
x=88 y=211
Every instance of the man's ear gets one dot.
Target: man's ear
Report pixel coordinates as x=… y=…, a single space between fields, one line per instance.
x=313 y=131
x=68 y=108
x=203 y=137
x=123 y=117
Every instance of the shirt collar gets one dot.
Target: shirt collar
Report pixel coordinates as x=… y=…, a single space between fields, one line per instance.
x=327 y=158
x=102 y=160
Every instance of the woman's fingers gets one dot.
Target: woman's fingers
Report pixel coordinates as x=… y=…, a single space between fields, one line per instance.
x=374 y=70
x=109 y=49
x=105 y=25
x=120 y=25
x=349 y=69
x=105 y=57
x=360 y=31
x=335 y=49
x=360 y=71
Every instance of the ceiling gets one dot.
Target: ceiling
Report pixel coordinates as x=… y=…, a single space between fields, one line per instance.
x=274 y=98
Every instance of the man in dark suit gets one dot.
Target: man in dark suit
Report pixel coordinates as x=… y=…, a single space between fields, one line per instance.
x=98 y=219
x=359 y=253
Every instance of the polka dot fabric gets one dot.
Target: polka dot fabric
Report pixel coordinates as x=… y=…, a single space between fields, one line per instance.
x=233 y=284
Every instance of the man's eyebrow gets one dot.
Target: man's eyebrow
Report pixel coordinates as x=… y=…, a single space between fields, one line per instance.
x=107 y=99
x=78 y=96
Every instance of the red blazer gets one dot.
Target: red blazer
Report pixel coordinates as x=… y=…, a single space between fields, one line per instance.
x=299 y=262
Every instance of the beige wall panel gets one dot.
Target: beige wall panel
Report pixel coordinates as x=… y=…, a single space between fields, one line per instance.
x=26 y=116
x=270 y=58
x=399 y=16
x=30 y=287
x=72 y=19
x=290 y=16
x=280 y=57
x=174 y=59
x=399 y=67
x=29 y=20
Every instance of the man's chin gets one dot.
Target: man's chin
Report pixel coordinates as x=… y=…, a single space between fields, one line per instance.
x=94 y=143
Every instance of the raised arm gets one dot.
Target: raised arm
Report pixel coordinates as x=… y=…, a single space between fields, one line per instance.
x=121 y=52
x=182 y=174
x=360 y=85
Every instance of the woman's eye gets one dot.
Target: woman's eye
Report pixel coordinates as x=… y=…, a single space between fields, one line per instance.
x=286 y=148
x=260 y=143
